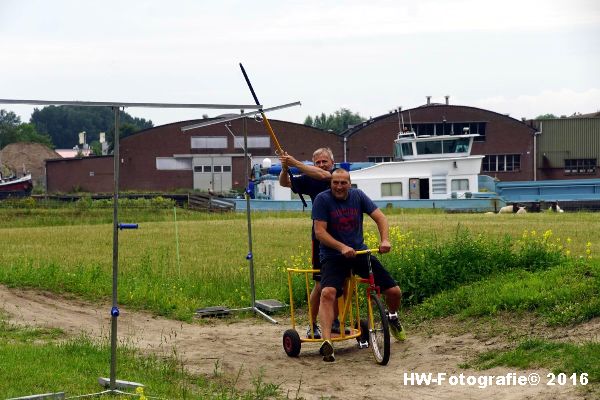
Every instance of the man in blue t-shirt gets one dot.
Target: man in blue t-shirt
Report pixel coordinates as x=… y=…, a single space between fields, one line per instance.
x=313 y=180
x=338 y=223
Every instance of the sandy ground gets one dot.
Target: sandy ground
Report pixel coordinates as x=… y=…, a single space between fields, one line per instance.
x=254 y=344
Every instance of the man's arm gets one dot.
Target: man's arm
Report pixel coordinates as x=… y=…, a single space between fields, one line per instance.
x=382 y=226
x=324 y=237
x=284 y=177
x=310 y=170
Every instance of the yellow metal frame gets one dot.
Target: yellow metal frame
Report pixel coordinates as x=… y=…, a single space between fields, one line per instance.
x=348 y=307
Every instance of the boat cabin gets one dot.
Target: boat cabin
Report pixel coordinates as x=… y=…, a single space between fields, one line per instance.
x=424 y=167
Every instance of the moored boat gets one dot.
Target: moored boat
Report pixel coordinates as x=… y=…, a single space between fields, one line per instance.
x=424 y=167
x=16 y=187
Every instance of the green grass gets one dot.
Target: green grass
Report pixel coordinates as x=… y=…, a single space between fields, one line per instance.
x=212 y=268
x=564 y=358
x=45 y=361
x=563 y=295
x=468 y=265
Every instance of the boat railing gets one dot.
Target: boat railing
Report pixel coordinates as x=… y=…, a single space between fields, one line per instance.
x=407 y=135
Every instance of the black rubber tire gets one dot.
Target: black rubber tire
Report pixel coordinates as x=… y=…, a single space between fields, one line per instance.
x=379 y=334
x=364 y=331
x=291 y=343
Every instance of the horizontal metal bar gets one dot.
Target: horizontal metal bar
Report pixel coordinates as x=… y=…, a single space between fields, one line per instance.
x=123 y=104
x=221 y=120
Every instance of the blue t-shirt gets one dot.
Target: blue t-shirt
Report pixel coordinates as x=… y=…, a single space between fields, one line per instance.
x=344 y=219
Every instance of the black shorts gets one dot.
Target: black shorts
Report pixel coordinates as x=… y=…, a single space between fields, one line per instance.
x=336 y=269
x=316 y=261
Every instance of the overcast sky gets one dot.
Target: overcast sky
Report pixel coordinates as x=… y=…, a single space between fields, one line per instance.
x=518 y=57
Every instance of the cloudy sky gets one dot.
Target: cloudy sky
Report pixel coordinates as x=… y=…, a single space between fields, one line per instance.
x=518 y=57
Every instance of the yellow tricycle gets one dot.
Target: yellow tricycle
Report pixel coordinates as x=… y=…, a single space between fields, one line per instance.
x=372 y=331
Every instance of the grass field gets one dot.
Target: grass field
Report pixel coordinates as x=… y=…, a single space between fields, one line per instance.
x=462 y=265
x=209 y=265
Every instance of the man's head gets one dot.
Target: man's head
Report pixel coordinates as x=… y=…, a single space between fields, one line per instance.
x=340 y=183
x=323 y=158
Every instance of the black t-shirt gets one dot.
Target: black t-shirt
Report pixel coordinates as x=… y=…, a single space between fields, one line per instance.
x=304 y=184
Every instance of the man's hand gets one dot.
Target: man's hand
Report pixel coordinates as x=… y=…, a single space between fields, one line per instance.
x=283 y=158
x=385 y=246
x=287 y=160
x=348 y=252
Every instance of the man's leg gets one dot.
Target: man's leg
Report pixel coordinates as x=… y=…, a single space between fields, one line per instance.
x=393 y=296
x=314 y=299
x=326 y=314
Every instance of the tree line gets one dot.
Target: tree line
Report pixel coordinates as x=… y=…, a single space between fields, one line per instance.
x=337 y=122
x=59 y=126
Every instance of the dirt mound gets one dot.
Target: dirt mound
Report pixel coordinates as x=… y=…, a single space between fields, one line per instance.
x=23 y=158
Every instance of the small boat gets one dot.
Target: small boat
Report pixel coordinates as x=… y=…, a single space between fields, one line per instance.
x=15 y=187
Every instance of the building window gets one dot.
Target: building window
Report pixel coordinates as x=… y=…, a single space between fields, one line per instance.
x=226 y=168
x=379 y=159
x=209 y=142
x=501 y=163
x=391 y=189
x=173 y=164
x=206 y=168
x=254 y=142
x=452 y=128
x=459 y=184
x=217 y=168
x=580 y=166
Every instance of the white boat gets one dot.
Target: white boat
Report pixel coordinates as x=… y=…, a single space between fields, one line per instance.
x=425 y=167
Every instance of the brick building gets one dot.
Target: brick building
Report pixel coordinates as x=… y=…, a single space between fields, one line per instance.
x=164 y=158
x=506 y=142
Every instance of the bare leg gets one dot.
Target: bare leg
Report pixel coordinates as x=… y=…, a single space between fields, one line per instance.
x=326 y=311
x=393 y=296
x=315 y=299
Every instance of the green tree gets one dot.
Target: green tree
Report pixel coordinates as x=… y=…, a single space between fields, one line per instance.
x=337 y=122
x=63 y=123
x=546 y=116
x=13 y=131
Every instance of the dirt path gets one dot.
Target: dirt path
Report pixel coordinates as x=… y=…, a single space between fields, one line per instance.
x=252 y=344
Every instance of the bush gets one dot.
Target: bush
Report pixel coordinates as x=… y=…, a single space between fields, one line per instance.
x=424 y=269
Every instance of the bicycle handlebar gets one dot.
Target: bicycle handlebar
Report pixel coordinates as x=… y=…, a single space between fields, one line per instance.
x=367 y=251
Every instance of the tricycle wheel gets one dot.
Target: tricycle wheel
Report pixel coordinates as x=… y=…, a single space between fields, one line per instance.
x=379 y=332
x=291 y=343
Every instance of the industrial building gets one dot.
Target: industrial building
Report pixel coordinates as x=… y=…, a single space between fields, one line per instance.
x=211 y=158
